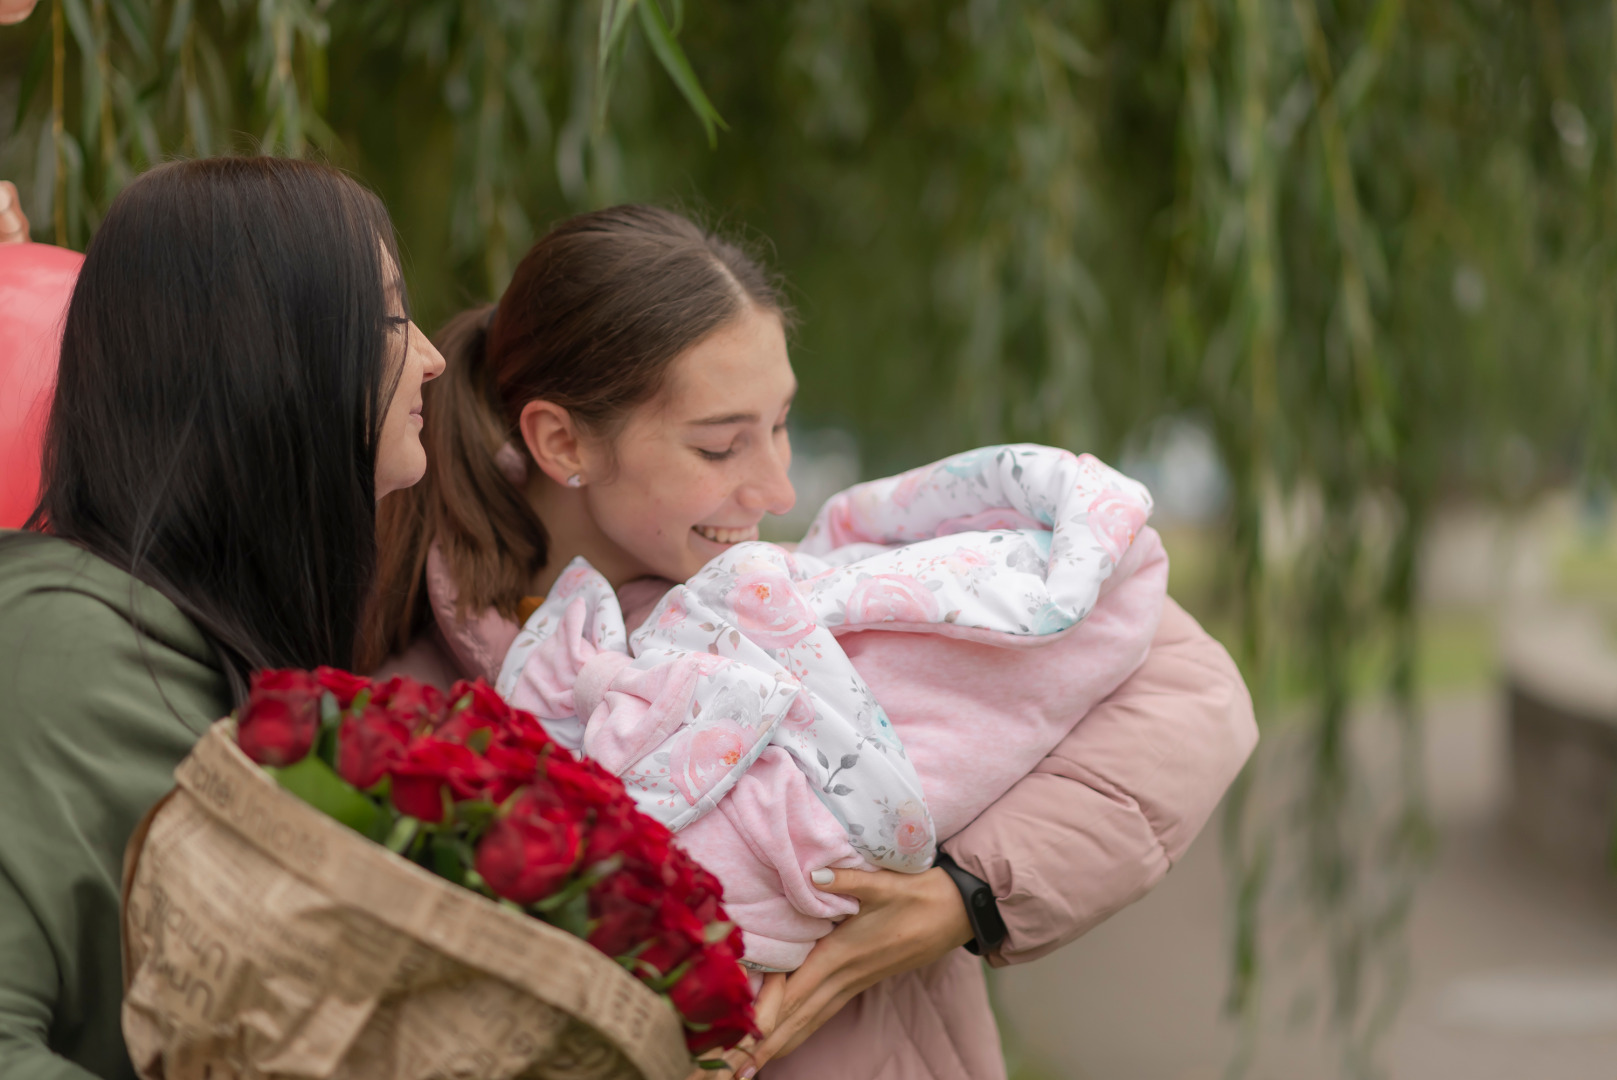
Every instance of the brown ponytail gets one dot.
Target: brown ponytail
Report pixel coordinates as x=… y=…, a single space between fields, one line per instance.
x=594 y=315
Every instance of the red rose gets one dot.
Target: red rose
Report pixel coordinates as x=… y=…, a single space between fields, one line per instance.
x=474 y=705
x=419 y=706
x=524 y=729
x=704 y=894
x=430 y=767
x=514 y=767
x=622 y=911
x=529 y=853
x=345 y=686
x=677 y=936
x=370 y=744
x=722 y=1035
x=281 y=718
x=642 y=842
x=583 y=781
x=716 y=993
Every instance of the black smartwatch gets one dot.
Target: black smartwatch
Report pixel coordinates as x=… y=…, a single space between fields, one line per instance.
x=982 y=909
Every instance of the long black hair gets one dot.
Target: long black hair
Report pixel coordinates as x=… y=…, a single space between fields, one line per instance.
x=226 y=366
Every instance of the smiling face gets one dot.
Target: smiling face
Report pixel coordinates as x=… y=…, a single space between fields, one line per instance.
x=400 y=460
x=694 y=471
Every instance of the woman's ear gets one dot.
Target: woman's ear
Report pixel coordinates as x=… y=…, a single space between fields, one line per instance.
x=548 y=432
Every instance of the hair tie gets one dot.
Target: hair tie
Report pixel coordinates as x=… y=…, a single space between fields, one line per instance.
x=513 y=463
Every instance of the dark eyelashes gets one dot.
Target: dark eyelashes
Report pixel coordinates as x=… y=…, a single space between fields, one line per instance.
x=722 y=455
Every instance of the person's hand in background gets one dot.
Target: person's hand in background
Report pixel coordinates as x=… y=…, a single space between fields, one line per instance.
x=15 y=11
x=13 y=222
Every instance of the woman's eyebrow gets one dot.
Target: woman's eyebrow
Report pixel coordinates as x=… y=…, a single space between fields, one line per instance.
x=736 y=418
x=728 y=418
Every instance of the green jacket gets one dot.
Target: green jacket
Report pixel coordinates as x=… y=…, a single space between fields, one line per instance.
x=104 y=687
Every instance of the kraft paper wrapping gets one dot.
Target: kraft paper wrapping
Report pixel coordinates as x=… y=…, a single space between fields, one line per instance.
x=264 y=940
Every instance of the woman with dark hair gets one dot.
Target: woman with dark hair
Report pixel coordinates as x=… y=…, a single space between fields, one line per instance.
x=239 y=383
x=626 y=402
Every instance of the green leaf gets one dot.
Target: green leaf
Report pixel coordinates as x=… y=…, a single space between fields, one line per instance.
x=402 y=835
x=598 y=871
x=37 y=59
x=313 y=781
x=572 y=916
x=135 y=19
x=78 y=21
x=1066 y=47
x=447 y=860
x=717 y=932
x=673 y=60
x=667 y=981
x=179 y=23
x=558 y=900
x=475 y=815
x=614 y=20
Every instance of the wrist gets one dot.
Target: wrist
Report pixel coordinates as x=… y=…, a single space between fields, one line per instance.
x=954 y=922
x=979 y=906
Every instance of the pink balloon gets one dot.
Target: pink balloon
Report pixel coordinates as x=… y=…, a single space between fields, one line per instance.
x=36 y=281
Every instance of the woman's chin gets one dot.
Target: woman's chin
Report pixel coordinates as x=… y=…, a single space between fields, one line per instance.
x=397 y=476
x=704 y=550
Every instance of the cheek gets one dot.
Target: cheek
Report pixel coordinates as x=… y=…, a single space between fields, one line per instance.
x=659 y=505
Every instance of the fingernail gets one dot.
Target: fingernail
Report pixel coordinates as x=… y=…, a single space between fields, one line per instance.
x=748 y=1072
x=823 y=876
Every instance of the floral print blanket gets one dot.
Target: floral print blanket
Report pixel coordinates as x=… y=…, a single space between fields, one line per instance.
x=1008 y=545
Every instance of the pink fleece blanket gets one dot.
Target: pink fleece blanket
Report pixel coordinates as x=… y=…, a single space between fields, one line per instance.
x=856 y=703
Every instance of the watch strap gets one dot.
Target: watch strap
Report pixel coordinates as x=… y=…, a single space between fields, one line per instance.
x=982 y=908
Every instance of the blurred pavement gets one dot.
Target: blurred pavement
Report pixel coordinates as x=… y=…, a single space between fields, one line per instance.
x=1514 y=962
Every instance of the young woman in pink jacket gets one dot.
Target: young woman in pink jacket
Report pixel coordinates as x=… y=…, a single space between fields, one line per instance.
x=626 y=401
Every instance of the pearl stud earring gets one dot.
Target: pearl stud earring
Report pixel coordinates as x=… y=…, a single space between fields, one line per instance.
x=576 y=480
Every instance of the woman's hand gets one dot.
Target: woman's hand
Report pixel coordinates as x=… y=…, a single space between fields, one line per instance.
x=766 y=1011
x=905 y=921
x=15 y=11
x=13 y=222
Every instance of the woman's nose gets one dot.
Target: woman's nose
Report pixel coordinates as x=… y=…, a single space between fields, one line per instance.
x=770 y=488
x=435 y=364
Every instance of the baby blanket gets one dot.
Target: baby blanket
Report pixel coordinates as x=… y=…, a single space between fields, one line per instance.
x=736 y=684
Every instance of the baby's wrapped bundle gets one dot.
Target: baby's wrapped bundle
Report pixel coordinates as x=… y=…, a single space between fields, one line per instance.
x=854 y=703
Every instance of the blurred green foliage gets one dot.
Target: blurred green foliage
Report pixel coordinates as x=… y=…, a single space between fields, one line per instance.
x=1369 y=244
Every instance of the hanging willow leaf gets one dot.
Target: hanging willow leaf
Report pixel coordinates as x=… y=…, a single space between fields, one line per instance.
x=38 y=59
x=179 y=26
x=1306 y=229
x=135 y=20
x=609 y=51
x=673 y=61
x=614 y=21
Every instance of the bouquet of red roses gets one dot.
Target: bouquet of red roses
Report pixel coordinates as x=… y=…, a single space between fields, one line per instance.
x=479 y=794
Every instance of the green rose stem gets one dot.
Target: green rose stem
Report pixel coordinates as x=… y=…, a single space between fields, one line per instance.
x=316 y=783
x=402 y=835
x=569 y=908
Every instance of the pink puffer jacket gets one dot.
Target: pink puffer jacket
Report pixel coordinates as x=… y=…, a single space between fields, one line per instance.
x=1091 y=830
